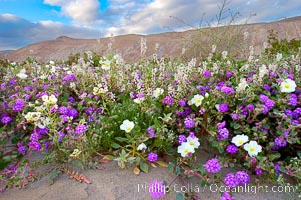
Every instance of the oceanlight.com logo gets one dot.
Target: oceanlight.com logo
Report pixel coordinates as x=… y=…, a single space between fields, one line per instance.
x=215 y=188
x=254 y=189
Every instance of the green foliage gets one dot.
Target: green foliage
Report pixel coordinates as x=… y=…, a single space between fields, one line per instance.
x=283 y=46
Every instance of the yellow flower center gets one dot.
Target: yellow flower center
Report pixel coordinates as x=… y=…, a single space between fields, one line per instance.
x=252 y=149
x=186 y=151
x=198 y=101
x=240 y=142
x=286 y=85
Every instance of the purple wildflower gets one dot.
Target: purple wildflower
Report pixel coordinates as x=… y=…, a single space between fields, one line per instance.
x=168 y=100
x=152 y=157
x=181 y=139
x=243 y=177
x=227 y=90
x=258 y=171
x=27 y=88
x=34 y=145
x=207 y=74
x=72 y=113
x=192 y=135
x=64 y=118
x=61 y=136
x=69 y=77
x=63 y=110
x=298 y=111
x=226 y=196
x=263 y=98
x=223 y=133
x=293 y=100
x=223 y=107
x=229 y=74
x=21 y=149
x=157 y=189
x=182 y=103
x=221 y=125
x=35 y=136
x=232 y=149
x=42 y=131
x=250 y=107
x=71 y=99
x=231 y=180
x=265 y=110
x=89 y=110
x=286 y=134
x=290 y=76
x=3 y=86
x=267 y=87
x=289 y=113
x=18 y=106
x=277 y=168
x=213 y=166
x=189 y=123
x=280 y=142
x=151 y=132
x=13 y=81
x=47 y=145
x=269 y=103
x=6 y=119
x=80 y=129
x=235 y=116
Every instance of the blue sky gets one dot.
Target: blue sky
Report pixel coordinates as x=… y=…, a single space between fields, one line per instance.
x=23 y=22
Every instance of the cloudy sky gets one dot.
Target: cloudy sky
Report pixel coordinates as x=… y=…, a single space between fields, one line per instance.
x=24 y=22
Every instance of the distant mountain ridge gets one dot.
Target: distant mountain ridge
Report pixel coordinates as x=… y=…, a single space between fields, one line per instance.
x=169 y=44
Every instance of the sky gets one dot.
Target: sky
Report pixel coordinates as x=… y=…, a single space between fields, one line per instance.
x=23 y=22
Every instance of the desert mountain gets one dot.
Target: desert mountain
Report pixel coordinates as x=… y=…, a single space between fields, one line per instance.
x=234 y=38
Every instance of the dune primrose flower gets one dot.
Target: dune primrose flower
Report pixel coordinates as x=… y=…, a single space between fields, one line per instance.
x=288 y=86
x=197 y=100
x=185 y=149
x=141 y=147
x=158 y=92
x=193 y=141
x=239 y=140
x=127 y=126
x=253 y=148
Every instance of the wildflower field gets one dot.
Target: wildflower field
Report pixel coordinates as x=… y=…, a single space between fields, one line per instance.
x=246 y=113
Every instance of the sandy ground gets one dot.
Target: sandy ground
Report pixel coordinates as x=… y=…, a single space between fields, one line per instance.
x=112 y=183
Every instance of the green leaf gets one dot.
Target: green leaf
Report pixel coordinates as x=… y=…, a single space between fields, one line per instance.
x=202 y=170
x=144 y=167
x=236 y=126
x=274 y=156
x=121 y=139
x=179 y=196
x=115 y=145
x=178 y=170
x=162 y=164
x=203 y=183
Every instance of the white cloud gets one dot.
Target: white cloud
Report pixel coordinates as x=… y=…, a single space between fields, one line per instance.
x=16 y=32
x=170 y=15
x=82 y=12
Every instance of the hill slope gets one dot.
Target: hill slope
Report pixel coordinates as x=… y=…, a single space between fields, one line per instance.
x=170 y=44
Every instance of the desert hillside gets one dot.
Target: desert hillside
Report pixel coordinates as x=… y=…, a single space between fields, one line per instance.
x=168 y=44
